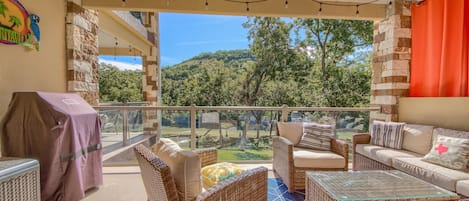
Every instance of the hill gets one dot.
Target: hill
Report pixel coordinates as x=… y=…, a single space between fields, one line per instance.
x=233 y=59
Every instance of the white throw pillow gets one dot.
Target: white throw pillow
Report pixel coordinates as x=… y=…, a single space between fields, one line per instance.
x=417 y=138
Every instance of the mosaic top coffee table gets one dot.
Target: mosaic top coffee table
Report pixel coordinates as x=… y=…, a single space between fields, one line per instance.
x=371 y=185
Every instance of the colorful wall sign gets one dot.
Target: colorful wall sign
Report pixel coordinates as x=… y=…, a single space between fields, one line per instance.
x=17 y=26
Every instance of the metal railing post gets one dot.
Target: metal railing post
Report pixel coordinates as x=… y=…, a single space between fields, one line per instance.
x=193 y=134
x=284 y=113
x=125 y=127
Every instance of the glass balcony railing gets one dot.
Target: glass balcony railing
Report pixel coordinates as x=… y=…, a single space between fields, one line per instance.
x=239 y=133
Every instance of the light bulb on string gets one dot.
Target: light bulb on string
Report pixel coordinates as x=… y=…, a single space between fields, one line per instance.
x=286 y=3
x=358 y=11
x=123 y=3
x=115 y=48
x=320 y=9
x=390 y=2
x=247 y=6
x=206 y=4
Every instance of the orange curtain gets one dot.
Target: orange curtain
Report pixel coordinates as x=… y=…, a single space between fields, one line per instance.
x=439 y=65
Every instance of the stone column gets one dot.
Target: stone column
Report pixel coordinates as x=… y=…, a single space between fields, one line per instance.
x=151 y=75
x=82 y=52
x=391 y=61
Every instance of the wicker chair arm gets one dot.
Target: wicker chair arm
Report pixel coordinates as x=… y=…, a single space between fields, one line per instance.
x=360 y=138
x=207 y=156
x=250 y=185
x=341 y=147
x=283 y=159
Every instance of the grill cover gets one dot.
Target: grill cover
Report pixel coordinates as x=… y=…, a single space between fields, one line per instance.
x=63 y=132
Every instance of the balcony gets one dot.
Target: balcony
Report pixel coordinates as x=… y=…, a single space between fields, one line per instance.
x=241 y=134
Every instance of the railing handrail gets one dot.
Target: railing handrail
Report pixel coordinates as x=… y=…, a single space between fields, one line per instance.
x=188 y=108
x=193 y=113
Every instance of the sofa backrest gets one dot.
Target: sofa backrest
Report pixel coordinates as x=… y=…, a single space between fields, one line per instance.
x=444 y=112
x=185 y=168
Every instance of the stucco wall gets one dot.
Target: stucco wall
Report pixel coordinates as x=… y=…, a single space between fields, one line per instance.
x=22 y=69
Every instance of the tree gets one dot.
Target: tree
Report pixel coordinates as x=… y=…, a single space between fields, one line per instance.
x=119 y=86
x=3 y=8
x=333 y=43
x=15 y=22
x=270 y=44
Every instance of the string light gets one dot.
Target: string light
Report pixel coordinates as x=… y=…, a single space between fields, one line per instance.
x=286 y=3
x=247 y=2
x=320 y=8
x=390 y=2
x=206 y=4
x=357 y=12
x=123 y=3
x=343 y=5
x=115 y=48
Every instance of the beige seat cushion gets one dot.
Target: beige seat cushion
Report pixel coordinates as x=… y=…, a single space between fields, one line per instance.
x=317 y=159
x=291 y=130
x=435 y=174
x=417 y=138
x=185 y=168
x=462 y=187
x=383 y=154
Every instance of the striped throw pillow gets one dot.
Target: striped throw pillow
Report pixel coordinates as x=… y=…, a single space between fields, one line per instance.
x=387 y=134
x=316 y=136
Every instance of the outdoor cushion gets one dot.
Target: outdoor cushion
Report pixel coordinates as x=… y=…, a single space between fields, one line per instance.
x=417 y=138
x=316 y=136
x=383 y=154
x=185 y=168
x=218 y=172
x=449 y=133
x=291 y=130
x=449 y=152
x=462 y=187
x=387 y=134
x=309 y=158
x=435 y=174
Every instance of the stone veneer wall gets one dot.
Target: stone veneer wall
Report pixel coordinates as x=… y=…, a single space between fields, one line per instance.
x=82 y=52
x=391 y=61
x=151 y=76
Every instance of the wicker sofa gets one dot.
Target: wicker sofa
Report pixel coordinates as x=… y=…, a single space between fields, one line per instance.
x=290 y=161
x=418 y=140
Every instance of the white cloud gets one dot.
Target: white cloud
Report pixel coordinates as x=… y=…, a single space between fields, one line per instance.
x=122 y=65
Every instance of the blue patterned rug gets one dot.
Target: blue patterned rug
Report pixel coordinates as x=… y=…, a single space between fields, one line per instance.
x=279 y=192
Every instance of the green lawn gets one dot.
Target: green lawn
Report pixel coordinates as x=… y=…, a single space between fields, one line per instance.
x=229 y=155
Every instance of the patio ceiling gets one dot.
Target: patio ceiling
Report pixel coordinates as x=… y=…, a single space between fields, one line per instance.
x=371 y=10
x=121 y=27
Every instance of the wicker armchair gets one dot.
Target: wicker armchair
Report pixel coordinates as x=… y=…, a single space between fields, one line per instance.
x=293 y=176
x=159 y=183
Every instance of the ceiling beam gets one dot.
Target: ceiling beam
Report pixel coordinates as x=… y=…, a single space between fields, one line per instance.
x=274 y=8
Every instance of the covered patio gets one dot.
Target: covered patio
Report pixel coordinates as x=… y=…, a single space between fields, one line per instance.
x=411 y=58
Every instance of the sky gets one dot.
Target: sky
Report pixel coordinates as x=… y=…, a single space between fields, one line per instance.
x=183 y=36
